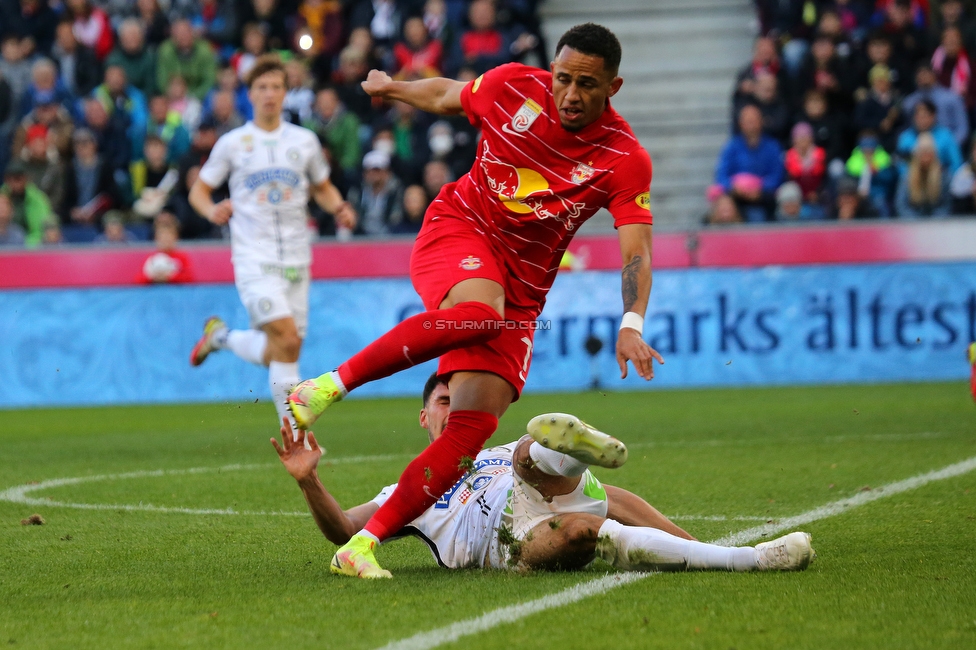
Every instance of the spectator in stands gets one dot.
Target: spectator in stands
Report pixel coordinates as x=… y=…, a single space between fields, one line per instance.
x=55 y=119
x=724 y=211
x=909 y=44
x=923 y=121
x=91 y=27
x=850 y=204
x=11 y=234
x=415 y=204
x=409 y=130
x=216 y=21
x=44 y=87
x=110 y=131
x=952 y=13
x=299 y=99
x=380 y=198
x=167 y=265
x=30 y=207
x=168 y=126
x=950 y=108
x=270 y=18
x=417 y=55
x=14 y=66
x=155 y=25
x=876 y=175
x=483 y=46
x=775 y=110
x=192 y=225
x=52 y=235
x=953 y=68
x=962 y=188
x=750 y=167
x=35 y=22
x=80 y=69
x=352 y=72
x=832 y=26
x=153 y=178
x=443 y=145
x=806 y=165
x=89 y=187
x=824 y=71
x=877 y=51
x=133 y=56
x=765 y=58
x=228 y=80
x=184 y=55
x=789 y=202
x=322 y=21
x=340 y=128
x=224 y=114
x=42 y=163
x=113 y=229
x=254 y=44
x=436 y=175
x=924 y=189
x=184 y=104
x=439 y=28
x=119 y=97
x=8 y=119
x=880 y=109
x=383 y=17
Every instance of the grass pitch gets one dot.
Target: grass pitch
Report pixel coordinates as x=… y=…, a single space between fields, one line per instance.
x=144 y=554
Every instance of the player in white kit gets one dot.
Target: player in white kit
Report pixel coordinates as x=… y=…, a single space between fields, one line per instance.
x=526 y=505
x=271 y=166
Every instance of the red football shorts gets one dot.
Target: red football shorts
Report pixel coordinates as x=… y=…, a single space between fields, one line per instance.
x=449 y=250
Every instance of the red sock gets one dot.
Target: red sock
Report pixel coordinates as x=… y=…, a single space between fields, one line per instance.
x=433 y=472
x=421 y=338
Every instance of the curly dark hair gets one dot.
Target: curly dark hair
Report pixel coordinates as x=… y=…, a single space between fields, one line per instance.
x=593 y=40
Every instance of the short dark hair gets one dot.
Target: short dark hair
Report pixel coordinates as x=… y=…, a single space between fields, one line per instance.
x=433 y=382
x=593 y=40
x=263 y=65
x=929 y=105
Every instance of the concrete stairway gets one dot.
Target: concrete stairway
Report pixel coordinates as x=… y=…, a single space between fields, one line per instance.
x=679 y=63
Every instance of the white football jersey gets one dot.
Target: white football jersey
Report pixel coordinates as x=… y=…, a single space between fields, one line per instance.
x=269 y=174
x=461 y=526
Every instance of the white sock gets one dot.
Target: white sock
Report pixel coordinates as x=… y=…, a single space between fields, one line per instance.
x=338 y=382
x=555 y=463
x=282 y=378
x=366 y=533
x=633 y=548
x=247 y=344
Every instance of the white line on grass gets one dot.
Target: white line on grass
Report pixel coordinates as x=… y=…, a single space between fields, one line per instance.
x=512 y=613
x=754 y=442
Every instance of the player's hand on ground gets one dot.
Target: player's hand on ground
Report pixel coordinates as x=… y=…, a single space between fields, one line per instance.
x=221 y=212
x=631 y=347
x=346 y=216
x=376 y=83
x=299 y=461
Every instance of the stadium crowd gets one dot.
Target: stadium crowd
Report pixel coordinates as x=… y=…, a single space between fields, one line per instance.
x=108 y=108
x=853 y=109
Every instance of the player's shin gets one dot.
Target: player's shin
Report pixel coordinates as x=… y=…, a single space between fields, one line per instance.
x=632 y=548
x=555 y=463
x=433 y=472
x=421 y=338
x=282 y=378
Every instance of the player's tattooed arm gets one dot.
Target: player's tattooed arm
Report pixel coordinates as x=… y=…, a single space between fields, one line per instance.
x=631 y=278
x=635 y=288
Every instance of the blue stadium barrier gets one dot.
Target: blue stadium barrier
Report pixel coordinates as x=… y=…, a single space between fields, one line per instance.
x=716 y=327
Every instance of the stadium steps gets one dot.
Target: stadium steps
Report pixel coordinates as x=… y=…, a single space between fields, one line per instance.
x=679 y=65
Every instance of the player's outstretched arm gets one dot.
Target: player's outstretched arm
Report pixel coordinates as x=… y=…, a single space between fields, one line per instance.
x=336 y=524
x=635 y=285
x=631 y=510
x=330 y=199
x=437 y=95
x=201 y=200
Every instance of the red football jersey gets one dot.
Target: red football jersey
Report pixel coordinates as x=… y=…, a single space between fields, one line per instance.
x=533 y=182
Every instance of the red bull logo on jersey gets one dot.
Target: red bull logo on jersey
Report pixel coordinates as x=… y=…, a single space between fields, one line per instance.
x=582 y=173
x=470 y=263
x=526 y=191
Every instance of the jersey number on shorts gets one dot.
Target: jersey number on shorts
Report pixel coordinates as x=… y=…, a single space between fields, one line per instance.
x=528 y=357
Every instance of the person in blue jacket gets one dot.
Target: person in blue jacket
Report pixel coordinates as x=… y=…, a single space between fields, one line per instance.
x=750 y=167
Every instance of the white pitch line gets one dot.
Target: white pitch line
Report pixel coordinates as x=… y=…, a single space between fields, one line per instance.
x=512 y=613
x=753 y=442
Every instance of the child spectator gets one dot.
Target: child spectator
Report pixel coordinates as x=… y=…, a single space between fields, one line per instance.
x=113 y=229
x=11 y=234
x=789 y=202
x=724 y=211
x=806 y=164
x=871 y=165
x=167 y=265
x=962 y=188
x=924 y=188
x=417 y=56
x=52 y=235
x=950 y=108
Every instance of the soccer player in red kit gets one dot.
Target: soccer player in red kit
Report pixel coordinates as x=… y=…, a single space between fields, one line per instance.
x=553 y=152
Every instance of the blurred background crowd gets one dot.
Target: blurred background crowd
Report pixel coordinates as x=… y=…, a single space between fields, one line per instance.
x=108 y=108
x=852 y=109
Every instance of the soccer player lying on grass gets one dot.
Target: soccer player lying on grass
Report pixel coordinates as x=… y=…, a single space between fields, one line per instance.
x=526 y=505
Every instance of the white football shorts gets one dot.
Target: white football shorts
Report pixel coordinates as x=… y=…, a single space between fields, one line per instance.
x=270 y=292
